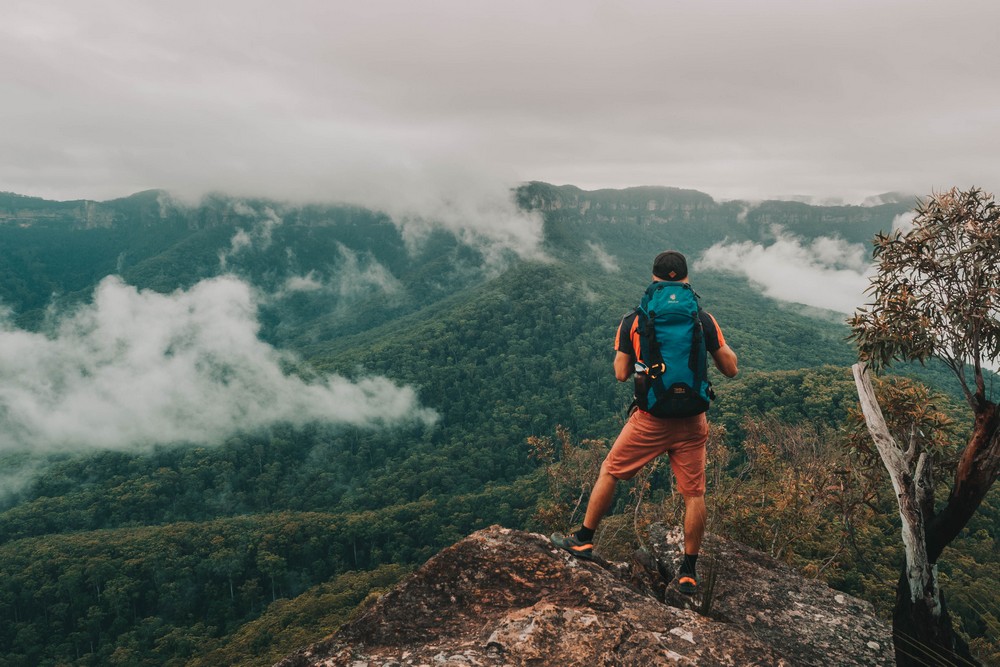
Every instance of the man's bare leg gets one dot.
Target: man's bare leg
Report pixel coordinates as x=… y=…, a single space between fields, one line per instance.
x=694 y=529
x=695 y=515
x=580 y=543
x=600 y=499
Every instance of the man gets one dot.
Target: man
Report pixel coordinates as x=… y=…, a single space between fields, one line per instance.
x=645 y=437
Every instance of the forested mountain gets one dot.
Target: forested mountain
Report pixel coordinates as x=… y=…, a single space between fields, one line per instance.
x=235 y=546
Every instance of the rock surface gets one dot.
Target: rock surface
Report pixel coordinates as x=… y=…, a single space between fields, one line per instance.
x=505 y=597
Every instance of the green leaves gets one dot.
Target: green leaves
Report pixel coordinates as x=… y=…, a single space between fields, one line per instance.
x=937 y=288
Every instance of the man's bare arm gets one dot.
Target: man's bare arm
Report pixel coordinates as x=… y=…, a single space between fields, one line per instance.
x=725 y=361
x=624 y=366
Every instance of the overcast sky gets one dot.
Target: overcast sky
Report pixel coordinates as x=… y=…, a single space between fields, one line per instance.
x=373 y=100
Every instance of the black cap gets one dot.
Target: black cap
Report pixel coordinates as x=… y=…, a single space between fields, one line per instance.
x=670 y=265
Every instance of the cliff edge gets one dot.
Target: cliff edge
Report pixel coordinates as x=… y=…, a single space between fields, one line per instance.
x=506 y=597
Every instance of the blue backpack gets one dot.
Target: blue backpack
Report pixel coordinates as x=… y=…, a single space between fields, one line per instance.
x=671 y=378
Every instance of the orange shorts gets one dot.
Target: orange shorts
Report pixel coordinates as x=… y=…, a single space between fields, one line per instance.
x=645 y=437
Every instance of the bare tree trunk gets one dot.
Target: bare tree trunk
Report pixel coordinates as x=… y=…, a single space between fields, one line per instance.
x=909 y=471
x=922 y=630
x=919 y=639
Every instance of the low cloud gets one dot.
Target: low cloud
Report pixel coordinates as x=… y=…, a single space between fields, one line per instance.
x=349 y=273
x=825 y=273
x=481 y=215
x=352 y=275
x=604 y=259
x=306 y=283
x=137 y=368
x=745 y=208
x=361 y=274
x=17 y=471
x=903 y=222
x=257 y=237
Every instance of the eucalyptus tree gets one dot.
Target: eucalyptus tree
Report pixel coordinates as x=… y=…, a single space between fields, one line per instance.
x=936 y=294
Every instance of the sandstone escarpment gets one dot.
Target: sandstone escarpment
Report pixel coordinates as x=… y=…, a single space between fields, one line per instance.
x=505 y=597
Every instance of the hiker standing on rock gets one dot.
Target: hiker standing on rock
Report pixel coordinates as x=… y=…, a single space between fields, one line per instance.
x=664 y=343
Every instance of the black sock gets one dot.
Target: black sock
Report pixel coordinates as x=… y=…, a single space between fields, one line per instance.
x=584 y=534
x=687 y=567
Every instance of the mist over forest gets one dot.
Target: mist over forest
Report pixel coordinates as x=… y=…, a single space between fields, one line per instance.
x=218 y=414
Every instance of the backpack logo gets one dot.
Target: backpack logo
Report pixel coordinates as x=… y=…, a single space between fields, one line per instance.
x=671 y=378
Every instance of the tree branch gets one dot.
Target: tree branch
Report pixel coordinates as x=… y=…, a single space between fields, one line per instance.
x=958 y=368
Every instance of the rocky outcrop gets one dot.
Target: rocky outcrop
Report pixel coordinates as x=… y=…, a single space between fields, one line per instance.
x=505 y=597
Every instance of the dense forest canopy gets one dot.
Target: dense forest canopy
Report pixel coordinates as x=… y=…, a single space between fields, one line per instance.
x=194 y=552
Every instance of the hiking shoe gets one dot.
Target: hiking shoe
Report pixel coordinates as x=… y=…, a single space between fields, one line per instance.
x=579 y=549
x=687 y=583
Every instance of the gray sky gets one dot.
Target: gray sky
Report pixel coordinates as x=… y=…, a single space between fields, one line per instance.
x=411 y=102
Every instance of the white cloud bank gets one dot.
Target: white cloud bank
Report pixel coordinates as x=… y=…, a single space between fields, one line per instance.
x=137 y=368
x=827 y=273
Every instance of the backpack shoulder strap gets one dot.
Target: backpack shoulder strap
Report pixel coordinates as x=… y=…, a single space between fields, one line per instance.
x=649 y=347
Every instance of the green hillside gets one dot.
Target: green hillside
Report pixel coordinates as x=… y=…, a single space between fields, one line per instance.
x=183 y=554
